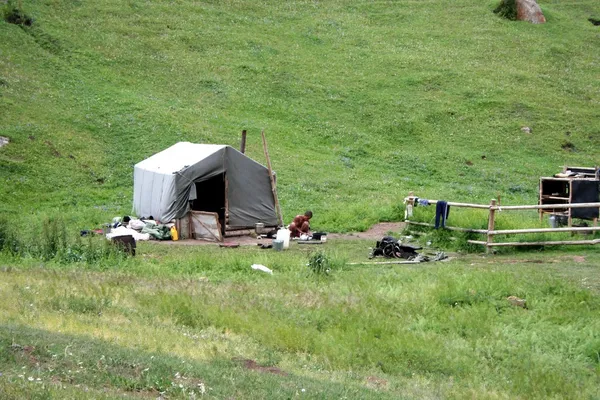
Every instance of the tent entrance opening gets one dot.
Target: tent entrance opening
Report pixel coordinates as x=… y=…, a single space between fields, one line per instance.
x=210 y=197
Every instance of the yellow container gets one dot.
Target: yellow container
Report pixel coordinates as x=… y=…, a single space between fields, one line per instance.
x=174 y=234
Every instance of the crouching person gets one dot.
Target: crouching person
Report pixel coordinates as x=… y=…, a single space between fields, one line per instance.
x=300 y=225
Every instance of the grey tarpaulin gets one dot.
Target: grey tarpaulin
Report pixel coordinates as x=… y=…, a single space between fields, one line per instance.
x=164 y=184
x=585 y=191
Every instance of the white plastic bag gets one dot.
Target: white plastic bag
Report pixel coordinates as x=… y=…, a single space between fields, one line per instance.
x=262 y=268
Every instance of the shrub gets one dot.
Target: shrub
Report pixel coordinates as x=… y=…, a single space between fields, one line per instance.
x=54 y=238
x=319 y=263
x=13 y=14
x=507 y=9
x=8 y=239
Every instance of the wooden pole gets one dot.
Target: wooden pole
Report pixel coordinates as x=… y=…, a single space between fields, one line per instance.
x=541 y=189
x=570 y=218
x=491 y=223
x=226 y=216
x=243 y=144
x=548 y=206
x=273 y=187
x=451 y=228
x=544 y=230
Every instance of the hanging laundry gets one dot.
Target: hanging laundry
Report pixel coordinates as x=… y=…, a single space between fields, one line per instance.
x=442 y=210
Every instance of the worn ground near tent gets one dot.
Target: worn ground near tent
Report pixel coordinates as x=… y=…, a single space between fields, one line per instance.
x=376 y=232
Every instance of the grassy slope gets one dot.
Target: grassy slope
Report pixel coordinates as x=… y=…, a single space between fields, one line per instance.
x=361 y=101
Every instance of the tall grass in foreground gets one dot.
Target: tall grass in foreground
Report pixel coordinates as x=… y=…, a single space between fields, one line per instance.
x=438 y=330
x=51 y=240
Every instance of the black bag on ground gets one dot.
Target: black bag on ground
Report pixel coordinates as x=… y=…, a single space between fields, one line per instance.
x=390 y=248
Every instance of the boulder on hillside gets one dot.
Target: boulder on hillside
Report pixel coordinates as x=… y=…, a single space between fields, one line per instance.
x=521 y=10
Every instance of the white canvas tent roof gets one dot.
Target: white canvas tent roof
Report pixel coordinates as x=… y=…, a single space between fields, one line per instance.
x=164 y=183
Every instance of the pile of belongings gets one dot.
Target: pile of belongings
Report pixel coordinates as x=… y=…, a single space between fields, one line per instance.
x=140 y=229
x=390 y=247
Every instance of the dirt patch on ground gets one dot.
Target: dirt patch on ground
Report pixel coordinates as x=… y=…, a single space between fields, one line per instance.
x=376 y=232
x=376 y=383
x=253 y=365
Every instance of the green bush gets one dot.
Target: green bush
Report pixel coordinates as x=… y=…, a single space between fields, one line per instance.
x=13 y=14
x=319 y=263
x=507 y=9
x=8 y=239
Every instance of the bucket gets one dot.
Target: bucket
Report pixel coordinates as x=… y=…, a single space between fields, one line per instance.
x=259 y=228
x=278 y=245
x=283 y=234
x=553 y=221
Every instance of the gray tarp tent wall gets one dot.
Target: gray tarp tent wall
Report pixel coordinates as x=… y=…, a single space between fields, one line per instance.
x=188 y=176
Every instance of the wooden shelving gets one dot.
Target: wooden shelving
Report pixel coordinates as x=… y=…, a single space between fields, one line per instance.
x=567 y=190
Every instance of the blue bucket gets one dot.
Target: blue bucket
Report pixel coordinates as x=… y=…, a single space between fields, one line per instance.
x=278 y=245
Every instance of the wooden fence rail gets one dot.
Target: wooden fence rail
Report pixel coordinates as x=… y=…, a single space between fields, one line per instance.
x=491 y=232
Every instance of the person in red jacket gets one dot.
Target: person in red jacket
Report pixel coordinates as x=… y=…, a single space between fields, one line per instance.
x=300 y=225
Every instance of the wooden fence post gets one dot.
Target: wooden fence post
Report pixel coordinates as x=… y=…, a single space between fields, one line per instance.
x=243 y=143
x=491 y=223
x=273 y=186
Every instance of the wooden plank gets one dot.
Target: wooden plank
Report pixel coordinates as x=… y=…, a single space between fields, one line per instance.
x=546 y=243
x=546 y=206
x=571 y=178
x=469 y=205
x=196 y=217
x=273 y=186
x=544 y=230
x=481 y=242
x=451 y=228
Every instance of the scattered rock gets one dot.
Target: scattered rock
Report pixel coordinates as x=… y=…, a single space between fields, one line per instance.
x=3 y=141
x=530 y=11
x=526 y=129
x=515 y=301
x=521 y=10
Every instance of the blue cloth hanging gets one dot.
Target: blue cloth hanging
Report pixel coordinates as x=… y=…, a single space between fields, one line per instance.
x=442 y=210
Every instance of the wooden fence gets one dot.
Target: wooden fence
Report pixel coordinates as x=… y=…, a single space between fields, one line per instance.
x=491 y=232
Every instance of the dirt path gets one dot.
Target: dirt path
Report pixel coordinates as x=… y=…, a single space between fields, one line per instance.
x=377 y=231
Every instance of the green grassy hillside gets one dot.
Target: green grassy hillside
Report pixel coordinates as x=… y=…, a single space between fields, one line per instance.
x=361 y=101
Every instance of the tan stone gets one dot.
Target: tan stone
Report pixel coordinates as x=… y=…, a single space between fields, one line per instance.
x=529 y=10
